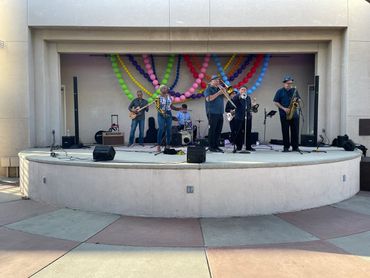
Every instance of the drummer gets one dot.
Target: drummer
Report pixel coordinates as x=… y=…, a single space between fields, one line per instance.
x=183 y=116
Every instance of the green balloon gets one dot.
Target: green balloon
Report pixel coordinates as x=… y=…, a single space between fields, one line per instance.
x=130 y=97
x=150 y=100
x=166 y=76
x=120 y=81
x=127 y=92
x=116 y=70
x=113 y=58
x=124 y=87
x=118 y=75
x=114 y=65
x=170 y=65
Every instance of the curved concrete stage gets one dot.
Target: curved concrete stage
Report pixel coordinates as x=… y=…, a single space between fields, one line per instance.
x=139 y=183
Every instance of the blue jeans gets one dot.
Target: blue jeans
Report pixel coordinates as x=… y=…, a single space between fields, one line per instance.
x=164 y=124
x=134 y=124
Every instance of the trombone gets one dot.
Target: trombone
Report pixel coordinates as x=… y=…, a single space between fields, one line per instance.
x=227 y=90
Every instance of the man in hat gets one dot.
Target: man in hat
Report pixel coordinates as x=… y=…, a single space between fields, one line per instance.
x=215 y=110
x=283 y=99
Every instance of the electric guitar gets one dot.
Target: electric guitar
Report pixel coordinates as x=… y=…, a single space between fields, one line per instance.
x=133 y=114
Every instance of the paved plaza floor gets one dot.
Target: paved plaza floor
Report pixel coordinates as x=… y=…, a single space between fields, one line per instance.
x=39 y=240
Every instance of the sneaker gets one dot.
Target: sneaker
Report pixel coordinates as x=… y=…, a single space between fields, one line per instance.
x=141 y=145
x=158 y=148
x=130 y=145
x=251 y=149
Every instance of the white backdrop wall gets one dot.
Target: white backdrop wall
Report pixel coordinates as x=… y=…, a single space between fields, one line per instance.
x=100 y=94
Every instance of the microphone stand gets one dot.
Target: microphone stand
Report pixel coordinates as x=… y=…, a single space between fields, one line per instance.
x=318 y=145
x=245 y=130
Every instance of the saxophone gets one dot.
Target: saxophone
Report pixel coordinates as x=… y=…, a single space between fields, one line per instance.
x=292 y=106
x=158 y=107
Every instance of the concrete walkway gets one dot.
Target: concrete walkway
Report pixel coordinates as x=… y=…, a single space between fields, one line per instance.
x=43 y=241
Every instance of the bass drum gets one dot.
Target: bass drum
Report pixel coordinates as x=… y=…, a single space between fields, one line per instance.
x=99 y=137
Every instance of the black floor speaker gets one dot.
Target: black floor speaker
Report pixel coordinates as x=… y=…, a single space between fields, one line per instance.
x=308 y=140
x=196 y=154
x=68 y=141
x=103 y=153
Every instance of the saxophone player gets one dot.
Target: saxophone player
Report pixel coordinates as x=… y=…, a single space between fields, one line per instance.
x=286 y=99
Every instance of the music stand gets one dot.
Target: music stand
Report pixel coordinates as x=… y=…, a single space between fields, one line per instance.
x=270 y=115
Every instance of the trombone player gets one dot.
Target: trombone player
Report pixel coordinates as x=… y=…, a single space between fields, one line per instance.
x=287 y=100
x=215 y=109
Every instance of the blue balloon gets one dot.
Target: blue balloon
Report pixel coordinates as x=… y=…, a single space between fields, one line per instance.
x=259 y=79
x=258 y=84
x=249 y=91
x=254 y=88
x=262 y=74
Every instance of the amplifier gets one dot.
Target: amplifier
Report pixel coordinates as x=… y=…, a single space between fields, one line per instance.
x=308 y=140
x=113 y=138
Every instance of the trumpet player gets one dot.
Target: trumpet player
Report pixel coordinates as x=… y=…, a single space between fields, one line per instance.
x=286 y=99
x=243 y=120
x=215 y=109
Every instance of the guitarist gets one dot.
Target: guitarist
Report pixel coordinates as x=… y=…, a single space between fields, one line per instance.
x=137 y=114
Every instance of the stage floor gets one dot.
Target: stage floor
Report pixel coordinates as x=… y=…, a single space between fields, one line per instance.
x=147 y=156
x=141 y=182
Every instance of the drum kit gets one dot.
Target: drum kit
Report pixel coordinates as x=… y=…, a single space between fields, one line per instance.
x=186 y=133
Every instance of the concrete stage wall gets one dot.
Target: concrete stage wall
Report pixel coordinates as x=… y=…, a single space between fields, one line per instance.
x=220 y=188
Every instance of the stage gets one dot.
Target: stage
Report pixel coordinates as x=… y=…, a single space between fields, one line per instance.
x=140 y=182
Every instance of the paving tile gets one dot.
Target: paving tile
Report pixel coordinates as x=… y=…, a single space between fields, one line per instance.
x=328 y=222
x=250 y=230
x=97 y=260
x=358 y=244
x=11 y=212
x=308 y=259
x=23 y=254
x=66 y=224
x=10 y=194
x=140 y=231
x=364 y=193
x=358 y=203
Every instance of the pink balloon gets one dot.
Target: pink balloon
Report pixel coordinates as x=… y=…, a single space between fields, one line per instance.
x=207 y=58
x=203 y=70
x=195 y=85
x=205 y=65
x=172 y=98
x=182 y=97
x=198 y=81
x=187 y=94
x=157 y=87
x=150 y=71
x=201 y=75
x=152 y=77
x=146 y=61
x=148 y=66
x=177 y=99
x=145 y=55
x=155 y=82
x=191 y=90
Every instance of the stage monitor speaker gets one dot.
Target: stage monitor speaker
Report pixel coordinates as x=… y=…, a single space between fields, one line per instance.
x=185 y=137
x=68 y=141
x=308 y=140
x=196 y=154
x=103 y=153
